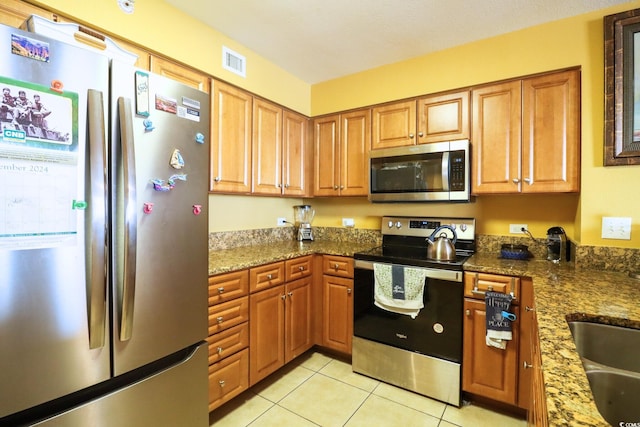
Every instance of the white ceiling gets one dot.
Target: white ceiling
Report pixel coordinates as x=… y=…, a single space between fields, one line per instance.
x=318 y=40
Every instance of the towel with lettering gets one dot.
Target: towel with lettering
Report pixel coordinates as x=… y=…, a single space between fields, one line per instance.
x=498 y=326
x=399 y=289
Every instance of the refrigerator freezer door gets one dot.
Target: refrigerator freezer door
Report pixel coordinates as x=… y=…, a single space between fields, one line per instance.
x=160 y=258
x=46 y=216
x=173 y=397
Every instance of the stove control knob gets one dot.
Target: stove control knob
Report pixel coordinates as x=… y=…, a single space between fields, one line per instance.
x=398 y=224
x=463 y=227
x=390 y=224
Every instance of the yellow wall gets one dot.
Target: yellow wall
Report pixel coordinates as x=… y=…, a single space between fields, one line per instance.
x=164 y=29
x=568 y=42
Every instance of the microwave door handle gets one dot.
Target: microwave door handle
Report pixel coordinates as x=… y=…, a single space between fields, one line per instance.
x=445 y=171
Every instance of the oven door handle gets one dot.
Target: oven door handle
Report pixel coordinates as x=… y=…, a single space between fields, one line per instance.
x=432 y=273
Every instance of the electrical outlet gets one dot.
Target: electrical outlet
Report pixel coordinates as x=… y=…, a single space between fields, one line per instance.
x=616 y=228
x=282 y=222
x=517 y=228
x=348 y=222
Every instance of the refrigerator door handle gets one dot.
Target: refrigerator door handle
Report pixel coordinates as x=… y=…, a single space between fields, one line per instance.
x=97 y=210
x=130 y=218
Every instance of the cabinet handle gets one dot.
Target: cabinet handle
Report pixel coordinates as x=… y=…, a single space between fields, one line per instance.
x=348 y=291
x=528 y=181
x=221 y=382
x=283 y=296
x=290 y=294
x=420 y=134
x=269 y=276
x=220 y=319
x=219 y=350
x=335 y=187
x=278 y=186
x=527 y=308
x=286 y=186
x=342 y=187
x=411 y=135
x=516 y=180
x=221 y=289
x=301 y=268
x=336 y=267
x=468 y=312
x=527 y=365
x=216 y=179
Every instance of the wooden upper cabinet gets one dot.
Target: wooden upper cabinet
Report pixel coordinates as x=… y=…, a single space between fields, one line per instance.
x=185 y=75
x=394 y=125
x=266 y=143
x=526 y=135
x=296 y=154
x=341 y=148
x=443 y=117
x=280 y=151
x=230 y=163
x=496 y=145
x=14 y=12
x=551 y=133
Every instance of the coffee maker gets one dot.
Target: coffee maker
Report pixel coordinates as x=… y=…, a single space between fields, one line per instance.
x=557 y=245
x=303 y=215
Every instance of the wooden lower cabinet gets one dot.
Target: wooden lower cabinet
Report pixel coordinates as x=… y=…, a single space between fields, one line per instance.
x=337 y=303
x=488 y=371
x=228 y=378
x=280 y=327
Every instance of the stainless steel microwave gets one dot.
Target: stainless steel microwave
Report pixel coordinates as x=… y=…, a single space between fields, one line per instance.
x=436 y=172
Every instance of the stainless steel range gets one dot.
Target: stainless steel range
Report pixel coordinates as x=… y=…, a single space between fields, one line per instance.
x=414 y=341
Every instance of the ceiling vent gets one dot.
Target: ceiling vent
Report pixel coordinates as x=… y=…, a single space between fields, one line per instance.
x=234 y=62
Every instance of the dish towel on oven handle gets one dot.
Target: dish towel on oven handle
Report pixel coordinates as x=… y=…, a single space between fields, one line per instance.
x=399 y=289
x=498 y=326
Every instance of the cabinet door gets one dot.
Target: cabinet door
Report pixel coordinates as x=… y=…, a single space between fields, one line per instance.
x=227 y=379
x=443 y=117
x=180 y=73
x=487 y=371
x=337 y=330
x=394 y=125
x=14 y=12
x=266 y=333
x=496 y=138
x=298 y=333
x=551 y=133
x=296 y=155
x=354 y=151
x=230 y=164
x=266 y=148
x=326 y=169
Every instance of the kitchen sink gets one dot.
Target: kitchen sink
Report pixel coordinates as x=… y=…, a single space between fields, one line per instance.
x=616 y=395
x=613 y=346
x=610 y=359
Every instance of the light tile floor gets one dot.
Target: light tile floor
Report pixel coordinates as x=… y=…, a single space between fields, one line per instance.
x=319 y=390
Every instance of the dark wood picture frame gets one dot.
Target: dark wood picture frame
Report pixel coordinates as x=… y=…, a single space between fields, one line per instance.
x=621 y=125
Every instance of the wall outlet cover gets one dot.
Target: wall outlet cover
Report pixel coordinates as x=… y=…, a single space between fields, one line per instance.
x=282 y=222
x=616 y=228
x=517 y=228
x=348 y=222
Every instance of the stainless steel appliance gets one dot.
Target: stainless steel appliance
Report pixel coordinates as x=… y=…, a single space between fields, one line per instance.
x=303 y=215
x=420 y=173
x=557 y=245
x=422 y=354
x=103 y=240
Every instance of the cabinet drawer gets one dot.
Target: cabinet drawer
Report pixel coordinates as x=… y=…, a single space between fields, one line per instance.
x=476 y=284
x=266 y=276
x=228 y=342
x=337 y=266
x=228 y=286
x=298 y=268
x=228 y=378
x=227 y=314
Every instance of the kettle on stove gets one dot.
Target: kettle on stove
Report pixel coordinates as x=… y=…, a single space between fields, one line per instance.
x=440 y=247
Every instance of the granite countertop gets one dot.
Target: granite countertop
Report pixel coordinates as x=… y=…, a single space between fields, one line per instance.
x=223 y=261
x=559 y=291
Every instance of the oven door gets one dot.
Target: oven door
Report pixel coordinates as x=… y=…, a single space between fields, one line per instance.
x=436 y=331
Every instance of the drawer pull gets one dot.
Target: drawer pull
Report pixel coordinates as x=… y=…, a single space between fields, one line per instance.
x=348 y=291
x=220 y=319
x=301 y=268
x=336 y=266
x=527 y=365
x=269 y=276
x=526 y=307
x=468 y=312
x=219 y=351
x=221 y=289
x=221 y=382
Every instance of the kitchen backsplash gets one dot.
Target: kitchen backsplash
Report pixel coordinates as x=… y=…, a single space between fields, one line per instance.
x=584 y=257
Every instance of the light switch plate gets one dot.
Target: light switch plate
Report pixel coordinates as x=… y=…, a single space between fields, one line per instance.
x=616 y=228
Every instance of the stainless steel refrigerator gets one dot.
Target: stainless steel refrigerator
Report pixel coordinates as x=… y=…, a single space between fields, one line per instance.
x=103 y=240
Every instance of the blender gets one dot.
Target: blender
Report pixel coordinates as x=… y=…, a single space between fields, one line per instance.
x=303 y=215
